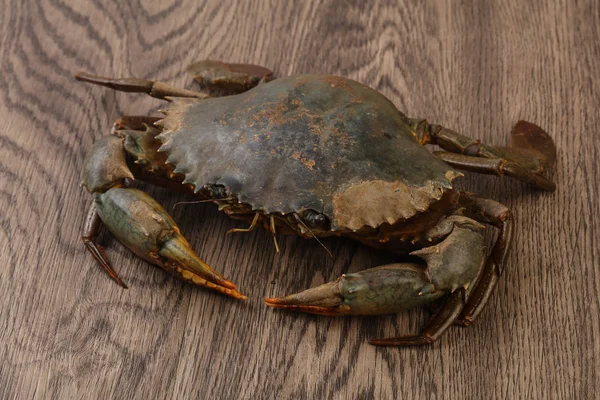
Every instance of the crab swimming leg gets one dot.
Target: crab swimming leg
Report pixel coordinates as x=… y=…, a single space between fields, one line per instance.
x=138 y=221
x=453 y=266
x=532 y=152
x=218 y=77
x=91 y=229
x=494 y=213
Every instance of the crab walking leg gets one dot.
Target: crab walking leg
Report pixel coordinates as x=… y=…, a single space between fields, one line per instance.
x=273 y=232
x=143 y=226
x=480 y=295
x=496 y=166
x=453 y=266
x=252 y=226
x=497 y=214
x=532 y=151
x=90 y=232
x=160 y=90
x=438 y=324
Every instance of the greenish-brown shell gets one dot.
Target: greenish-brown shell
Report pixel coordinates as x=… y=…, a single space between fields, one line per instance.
x=316 y=142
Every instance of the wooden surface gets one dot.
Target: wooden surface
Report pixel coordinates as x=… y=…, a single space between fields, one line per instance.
x=67 y=331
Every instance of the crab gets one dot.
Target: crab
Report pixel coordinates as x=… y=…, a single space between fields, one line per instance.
x=315 y=156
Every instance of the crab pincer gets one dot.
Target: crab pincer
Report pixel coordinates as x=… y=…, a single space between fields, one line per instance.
x=379 y=290
x=453 y=265
x=142 y=225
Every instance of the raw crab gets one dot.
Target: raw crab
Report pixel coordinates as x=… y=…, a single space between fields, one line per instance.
x=315 y=156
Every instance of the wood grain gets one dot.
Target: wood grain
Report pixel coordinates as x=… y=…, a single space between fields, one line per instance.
x=67 y=331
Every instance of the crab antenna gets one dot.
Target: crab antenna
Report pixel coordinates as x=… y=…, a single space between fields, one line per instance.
x=312 y=233
x=199 y=201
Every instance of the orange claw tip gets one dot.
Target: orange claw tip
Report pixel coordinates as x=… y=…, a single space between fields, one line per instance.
x=226 y=291
x=317 y=310
x=282 y=302
x=227 y=284
x=273 y=301
x=236 y=295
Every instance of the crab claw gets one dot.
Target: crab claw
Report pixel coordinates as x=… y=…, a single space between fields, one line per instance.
x=143 y=226
x=382 y=290
x=327 y=299
x=178 y=255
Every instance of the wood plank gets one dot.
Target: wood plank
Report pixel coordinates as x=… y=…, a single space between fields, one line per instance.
x=66 y=331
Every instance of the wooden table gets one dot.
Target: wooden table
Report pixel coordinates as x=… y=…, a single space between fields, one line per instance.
x=67 y=331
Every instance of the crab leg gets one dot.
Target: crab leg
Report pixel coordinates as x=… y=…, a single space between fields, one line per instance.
x=492 y=212
x=160 y=90
x=252 y=226
x=90 y=233
x=273 y=232
x=532 y=152
x=496 y=166
x=453 y=265
x=438 y=324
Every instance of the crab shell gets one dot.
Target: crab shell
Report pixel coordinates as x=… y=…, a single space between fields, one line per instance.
x=309 y=142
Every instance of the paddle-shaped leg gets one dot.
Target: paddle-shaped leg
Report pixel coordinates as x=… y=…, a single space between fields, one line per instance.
x=531 y=154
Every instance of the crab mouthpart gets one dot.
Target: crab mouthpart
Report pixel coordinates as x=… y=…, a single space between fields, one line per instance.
x=326 y=299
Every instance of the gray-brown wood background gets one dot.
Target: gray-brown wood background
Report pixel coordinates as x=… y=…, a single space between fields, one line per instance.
x=67 y=331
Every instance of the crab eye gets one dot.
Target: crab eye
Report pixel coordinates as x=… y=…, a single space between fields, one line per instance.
x=315 y=220
x=217 y=191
